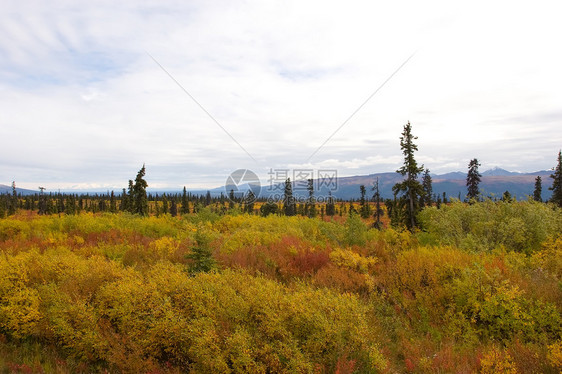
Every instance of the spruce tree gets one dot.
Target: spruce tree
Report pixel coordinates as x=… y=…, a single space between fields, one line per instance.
x=411 y=189
x=330 y=205
x=364 y=210
x=249 y=202
x=378 y=211
x=289 y=205
x=173 y=208
x=165 y=207
x=184 y=202
x=311 y=203
x=556 y=187
x=112 y=203
x=427 y=189
x=537 y=193
x=139 y=193
x=130 y=197
x=473 y=178
x=14 y=200
x=201 y=256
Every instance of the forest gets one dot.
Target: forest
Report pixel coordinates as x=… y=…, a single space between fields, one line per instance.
x=134 y=283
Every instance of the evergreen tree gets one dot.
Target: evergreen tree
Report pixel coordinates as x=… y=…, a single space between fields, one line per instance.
x=130 y=197
x=2 y=207
x=165 y=207
x=123 y=203
x=139 y=193
x=268 y=208
x=201 y=256
x=13 y=200
x=427 y=189
x=184 y=202
x=173 y=208
x=557 y=182
x=112 y=203
x=208 y=198
x=411 y=189
x=537 y=193
x=330 y=205
x=249 y=206
x=42 y=206
x=231 y=199
x=473 y=178
x=506 y=197
x=364 y=205
x=289 y=204
x=378 y=210
x=311 y=203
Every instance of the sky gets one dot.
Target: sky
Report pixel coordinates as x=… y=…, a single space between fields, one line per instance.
x=89 y=91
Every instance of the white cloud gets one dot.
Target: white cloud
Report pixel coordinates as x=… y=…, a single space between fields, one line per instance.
x=82 y=104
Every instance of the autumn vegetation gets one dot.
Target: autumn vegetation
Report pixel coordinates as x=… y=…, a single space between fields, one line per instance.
x=478 y=289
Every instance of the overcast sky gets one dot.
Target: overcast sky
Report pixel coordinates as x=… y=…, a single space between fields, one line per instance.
x=83 y=105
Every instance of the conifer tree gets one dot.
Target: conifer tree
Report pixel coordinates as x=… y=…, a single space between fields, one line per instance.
x=330 y=205
x=173 y=208
x=201 y=256
x=378 y=211
x=12 y=206
x=112 y=203
x=411 y=189
x=165 y=207
x=130 y=197
x=364 y=210
x=249 y=205
x=289 y=205
x=427 y=189
x=139 y=193
x=556 y=187
x=184 y=202
x=311 y=203
x=537 y=193
x=473 y=178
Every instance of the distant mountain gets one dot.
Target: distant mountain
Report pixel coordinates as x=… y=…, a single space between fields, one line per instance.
x=494 y=183
x=498 y=172
x=8 y=189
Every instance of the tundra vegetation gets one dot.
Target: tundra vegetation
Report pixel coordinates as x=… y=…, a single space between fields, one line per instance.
x=477 y=288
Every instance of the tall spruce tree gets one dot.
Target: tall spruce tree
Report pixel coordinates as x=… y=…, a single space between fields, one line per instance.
x=537 y=193
x=184 y=202
x=556 y=187
x=131 y=197
x=364 y=210
x=410 y=189
x=173 y=208
x=289 y=204
x=112 y=203
x=427 y=199
x=139 y=193
x=311 y=203
x=473 y=178
x=13 y=207
x=378 y=211
x=330 y=205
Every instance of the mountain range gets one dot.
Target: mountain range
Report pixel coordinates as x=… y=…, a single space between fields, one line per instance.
x=494 y=183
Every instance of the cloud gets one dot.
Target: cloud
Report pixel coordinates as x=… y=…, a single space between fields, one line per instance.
x=83 y=104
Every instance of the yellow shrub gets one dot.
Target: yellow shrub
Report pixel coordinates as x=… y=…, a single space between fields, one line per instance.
x=554 y=354
x=352 y=260
x=497 y=362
